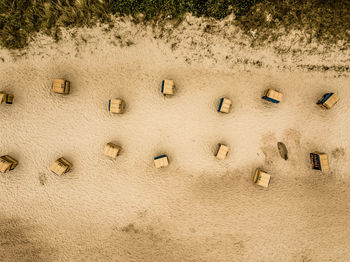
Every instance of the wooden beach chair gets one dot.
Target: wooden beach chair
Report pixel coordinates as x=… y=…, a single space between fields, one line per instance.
x=225 y=105
x=222 y=152
x=319 y=161
x=161 y=161
x=61 y=86
x=328 y=100
x=168 y=87
x=111 y=150
x=7 y=163
x=261 y=178
x=273 y=96
x=116 y=106
x=61 y=166
x=7 y=98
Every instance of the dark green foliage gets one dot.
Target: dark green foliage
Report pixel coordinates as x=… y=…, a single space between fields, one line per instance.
x=160 y=8
x=19 y=19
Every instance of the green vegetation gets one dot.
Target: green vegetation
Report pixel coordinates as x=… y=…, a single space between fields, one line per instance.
x=19 y=19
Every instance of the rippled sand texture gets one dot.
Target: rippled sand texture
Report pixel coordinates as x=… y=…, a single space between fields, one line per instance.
x=199 y=208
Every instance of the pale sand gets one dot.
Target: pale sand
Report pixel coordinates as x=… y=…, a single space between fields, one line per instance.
x=198 y=208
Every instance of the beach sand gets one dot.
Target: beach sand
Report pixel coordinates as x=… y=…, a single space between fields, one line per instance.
x=198 y=208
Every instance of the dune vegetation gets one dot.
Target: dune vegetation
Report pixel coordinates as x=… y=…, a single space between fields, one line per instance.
x=327 y=21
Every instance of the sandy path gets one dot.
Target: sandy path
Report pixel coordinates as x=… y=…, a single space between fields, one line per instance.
x=197 y=209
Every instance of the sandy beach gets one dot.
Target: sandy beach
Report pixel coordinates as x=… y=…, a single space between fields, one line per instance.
x=198 y=208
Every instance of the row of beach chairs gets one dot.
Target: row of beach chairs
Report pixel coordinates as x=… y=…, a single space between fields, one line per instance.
x=62 y=165
x=116 y=106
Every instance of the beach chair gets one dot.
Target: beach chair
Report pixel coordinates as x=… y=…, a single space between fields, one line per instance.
x=261 y=178
x=2 y=97
x=8 y=99
x=319 y=161
x=116 y=106
x=61 y=166
x=225 y=105
x=111 y=150
x=161 y=161
x=328 y=100
x=168 y=87
x=273 y=96
x=61 y=86
x=222 y=152
x=7 y=163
